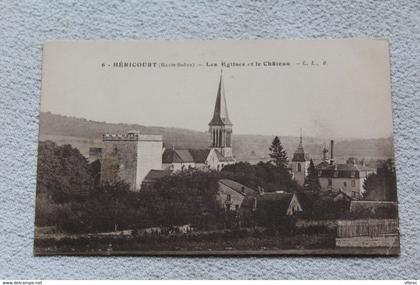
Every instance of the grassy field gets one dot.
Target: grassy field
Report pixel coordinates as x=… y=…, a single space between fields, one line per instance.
x=190 y=243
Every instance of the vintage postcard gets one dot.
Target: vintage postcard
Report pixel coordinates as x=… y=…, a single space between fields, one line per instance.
x=257 y=147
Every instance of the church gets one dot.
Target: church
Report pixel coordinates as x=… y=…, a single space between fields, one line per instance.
x=140 y=158
x=218 y=154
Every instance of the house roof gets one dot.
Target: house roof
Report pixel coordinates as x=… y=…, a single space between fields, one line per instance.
x=307 y=199
x=341 y=170
x=322 y=165
x=272 y=201
x=220 y=115
x=238 y=187
x=156 y=174
x=275 y=196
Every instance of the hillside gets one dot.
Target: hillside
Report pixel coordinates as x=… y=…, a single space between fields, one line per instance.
x=82 y=133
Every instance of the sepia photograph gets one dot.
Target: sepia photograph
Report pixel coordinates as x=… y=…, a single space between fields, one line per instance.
x=248 y=147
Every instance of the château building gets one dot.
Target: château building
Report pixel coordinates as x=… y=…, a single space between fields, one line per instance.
x=336 y=177
x=342 y=177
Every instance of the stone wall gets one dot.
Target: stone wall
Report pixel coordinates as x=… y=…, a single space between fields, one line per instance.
x=120 y=162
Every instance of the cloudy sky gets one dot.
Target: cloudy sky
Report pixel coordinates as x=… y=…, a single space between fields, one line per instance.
x=347 y=95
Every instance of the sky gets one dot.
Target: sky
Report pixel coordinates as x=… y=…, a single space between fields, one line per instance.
x=343 y=92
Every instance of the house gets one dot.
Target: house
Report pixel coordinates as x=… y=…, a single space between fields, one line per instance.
x=153 y=176
x=335 y=177
x=347 y=178
x=232 y=194
x=323 y=204
x=278 y=203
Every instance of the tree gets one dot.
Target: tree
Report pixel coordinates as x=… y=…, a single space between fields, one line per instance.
x=63 y=172
x=311 y=180
x=277 y=153
x=381 y=186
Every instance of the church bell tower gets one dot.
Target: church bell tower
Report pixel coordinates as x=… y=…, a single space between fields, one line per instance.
x=300 y=163
x=220 y=126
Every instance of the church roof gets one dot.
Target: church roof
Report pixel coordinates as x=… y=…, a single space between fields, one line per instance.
x=185 y=155
x=177 y=156
x=200 y=155
x=300 y=154
x=220 y=115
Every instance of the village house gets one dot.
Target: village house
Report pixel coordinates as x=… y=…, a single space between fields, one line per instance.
x=231 y=194
x=280 y=202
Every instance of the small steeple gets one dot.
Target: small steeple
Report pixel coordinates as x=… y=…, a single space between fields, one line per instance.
x=300 y=136
x=300 y=147
x=220 y=115
x=299 y=154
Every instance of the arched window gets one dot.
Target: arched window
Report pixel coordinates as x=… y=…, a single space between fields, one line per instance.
x=214 y=137
x=228 y=139
x=299 y=167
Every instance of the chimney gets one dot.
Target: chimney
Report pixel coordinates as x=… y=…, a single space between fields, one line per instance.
x=243 y=189
x=332 y=152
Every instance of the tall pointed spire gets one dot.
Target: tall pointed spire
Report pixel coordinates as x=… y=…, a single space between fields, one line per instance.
x=300 y=147
x=220 y=115
x=301 y=136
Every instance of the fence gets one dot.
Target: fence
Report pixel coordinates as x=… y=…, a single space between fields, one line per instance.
x=366 y=227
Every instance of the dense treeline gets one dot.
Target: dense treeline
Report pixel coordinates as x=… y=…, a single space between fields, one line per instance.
x=382 y=185
x=68 y=199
